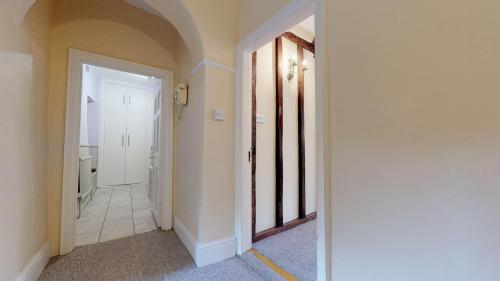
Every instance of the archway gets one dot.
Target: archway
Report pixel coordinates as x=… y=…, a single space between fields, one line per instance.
x=174 y=12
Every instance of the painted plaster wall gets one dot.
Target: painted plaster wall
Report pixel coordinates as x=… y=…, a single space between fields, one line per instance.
x=265 y=174
x=416 y=133
x=24 y=88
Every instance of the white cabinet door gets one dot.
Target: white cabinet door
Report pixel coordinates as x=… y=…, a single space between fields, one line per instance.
x=136 y=148
x=136 y=135
x=114 y=129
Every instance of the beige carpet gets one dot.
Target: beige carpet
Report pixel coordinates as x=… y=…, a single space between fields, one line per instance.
x=156 y=255
x=293 y=251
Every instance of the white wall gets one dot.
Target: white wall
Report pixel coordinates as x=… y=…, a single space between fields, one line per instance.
x=91 y=89
x=265 y=174
x=290 y=138
x=23 y=145
x=266 y=105
x=310 y=131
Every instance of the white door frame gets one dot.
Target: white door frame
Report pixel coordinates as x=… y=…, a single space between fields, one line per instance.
x=72 y=137
x=289 y=16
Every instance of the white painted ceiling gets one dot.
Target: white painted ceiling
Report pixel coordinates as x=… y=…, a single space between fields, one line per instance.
x=308 y=24
x=143 y=6
x=138 y=79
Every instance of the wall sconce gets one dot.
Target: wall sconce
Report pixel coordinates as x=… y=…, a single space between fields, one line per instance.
x=292 y=64
x=292 y=67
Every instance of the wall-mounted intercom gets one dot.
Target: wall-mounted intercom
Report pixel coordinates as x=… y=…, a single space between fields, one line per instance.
x=181 y=97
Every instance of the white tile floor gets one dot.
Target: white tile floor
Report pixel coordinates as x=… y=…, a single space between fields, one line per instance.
x=115 y=213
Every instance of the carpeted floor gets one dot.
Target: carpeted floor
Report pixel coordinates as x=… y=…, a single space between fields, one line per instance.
x=293 y=250
x=152 y=256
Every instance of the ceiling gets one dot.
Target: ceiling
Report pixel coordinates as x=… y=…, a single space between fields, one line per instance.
x=143 y=6
x=308 y=24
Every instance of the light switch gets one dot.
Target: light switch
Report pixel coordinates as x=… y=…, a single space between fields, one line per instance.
x=260 y=119
x=218 y=115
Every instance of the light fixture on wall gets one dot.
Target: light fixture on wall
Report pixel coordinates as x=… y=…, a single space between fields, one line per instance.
x=292 y=67
x=292 y=64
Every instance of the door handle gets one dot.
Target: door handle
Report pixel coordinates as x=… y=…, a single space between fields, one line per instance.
x=129 y=140
x=123 y=140
x=123 y=99
x=128 y=99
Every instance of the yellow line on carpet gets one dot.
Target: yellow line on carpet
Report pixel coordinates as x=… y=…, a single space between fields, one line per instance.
x=281 y=272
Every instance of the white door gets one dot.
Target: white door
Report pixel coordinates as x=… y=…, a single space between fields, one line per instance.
x=136 y=136
x=114 y=129
x=155 y=161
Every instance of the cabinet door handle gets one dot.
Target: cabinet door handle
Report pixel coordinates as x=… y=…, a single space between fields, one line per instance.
x=129 y=140
x=123 y=99
x=128 y=99
x=123 y=140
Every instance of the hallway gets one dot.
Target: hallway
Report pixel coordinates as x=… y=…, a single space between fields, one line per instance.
x=151 y=256
x=160 y=255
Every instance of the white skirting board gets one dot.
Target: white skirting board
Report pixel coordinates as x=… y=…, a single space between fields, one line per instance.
x=37 y=264
x=205 y=253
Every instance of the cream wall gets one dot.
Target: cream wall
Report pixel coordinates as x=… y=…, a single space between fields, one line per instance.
x=217 y=208
x=23 y=117
x=265 y=174
x=290 y=142
x=188 y=160
x=97 y=36
x=310 y=132
x=217 y=22
x=416 y=135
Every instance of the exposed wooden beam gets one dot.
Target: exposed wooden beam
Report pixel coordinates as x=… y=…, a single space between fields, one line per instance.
x=287 y=226
x=310 y=46
x=279 y=131
x=301 y=135
x=254 y=139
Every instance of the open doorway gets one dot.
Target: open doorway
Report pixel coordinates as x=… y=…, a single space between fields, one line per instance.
x=287 y=214
x=119 y=182
x=118 y=141
x=283 y=154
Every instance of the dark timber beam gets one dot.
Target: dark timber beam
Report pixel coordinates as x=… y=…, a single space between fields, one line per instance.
x=279 y=132
x=310 y=46
x=301 y=136
x=287 y=226
x=254 y=139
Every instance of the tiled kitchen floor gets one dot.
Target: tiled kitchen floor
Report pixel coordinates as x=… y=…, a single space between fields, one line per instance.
x=115 y=213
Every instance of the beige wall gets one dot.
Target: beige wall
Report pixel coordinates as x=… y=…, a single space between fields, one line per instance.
x=217 y=208
x=23 y=118
x=217 y=21
x=416 y=139
x=253 y=14
x=155 y=27
x=188 y=160
x=98 y=36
